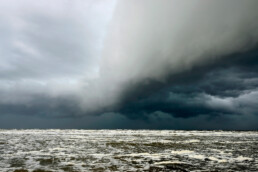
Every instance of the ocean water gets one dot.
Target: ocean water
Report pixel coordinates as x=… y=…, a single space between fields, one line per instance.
x=127 y=150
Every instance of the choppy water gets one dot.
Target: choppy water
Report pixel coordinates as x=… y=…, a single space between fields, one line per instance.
x=127 y=150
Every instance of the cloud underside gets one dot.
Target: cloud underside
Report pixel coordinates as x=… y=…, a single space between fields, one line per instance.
x=227 y=87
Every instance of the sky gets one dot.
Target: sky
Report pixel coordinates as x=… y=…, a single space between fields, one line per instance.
x=118 y=64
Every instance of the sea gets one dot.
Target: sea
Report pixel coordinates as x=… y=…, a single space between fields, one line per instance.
x=127 y=150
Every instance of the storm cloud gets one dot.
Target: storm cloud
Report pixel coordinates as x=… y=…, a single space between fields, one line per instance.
x=135 y=63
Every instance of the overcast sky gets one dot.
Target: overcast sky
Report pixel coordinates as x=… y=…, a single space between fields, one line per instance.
x=168 y=64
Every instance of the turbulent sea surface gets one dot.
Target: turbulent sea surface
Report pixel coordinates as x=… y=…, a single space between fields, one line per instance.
x=127 y=150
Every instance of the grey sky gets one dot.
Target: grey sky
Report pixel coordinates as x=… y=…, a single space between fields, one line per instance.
x=111 y=60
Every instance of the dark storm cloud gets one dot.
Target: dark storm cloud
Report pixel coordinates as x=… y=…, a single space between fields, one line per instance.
x=183 y=58
x=227 y=86
x=141 y=61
